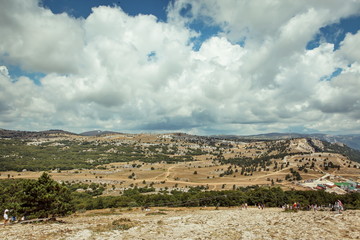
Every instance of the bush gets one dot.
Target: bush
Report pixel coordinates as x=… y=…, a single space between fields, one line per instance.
x=122 y=224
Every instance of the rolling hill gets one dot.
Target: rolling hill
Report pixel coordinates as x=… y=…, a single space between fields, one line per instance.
x=175 y=161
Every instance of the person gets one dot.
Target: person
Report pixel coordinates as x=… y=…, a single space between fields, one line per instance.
x=294 y=206
x=340 y=205
x=315 y=207
x=6 y=216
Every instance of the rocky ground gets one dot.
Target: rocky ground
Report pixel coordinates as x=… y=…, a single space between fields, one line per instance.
x=188 y=223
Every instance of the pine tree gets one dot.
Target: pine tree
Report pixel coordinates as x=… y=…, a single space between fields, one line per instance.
x=44 y=197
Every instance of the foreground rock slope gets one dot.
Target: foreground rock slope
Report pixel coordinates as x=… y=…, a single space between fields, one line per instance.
x=207 y=223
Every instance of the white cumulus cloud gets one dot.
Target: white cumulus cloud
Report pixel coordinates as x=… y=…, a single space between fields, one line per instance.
x=120 y=72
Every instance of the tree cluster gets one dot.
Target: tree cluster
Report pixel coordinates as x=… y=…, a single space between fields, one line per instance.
x=36 y=198
x=197 y=197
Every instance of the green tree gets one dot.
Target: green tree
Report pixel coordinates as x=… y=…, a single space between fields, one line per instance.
x=44 y=197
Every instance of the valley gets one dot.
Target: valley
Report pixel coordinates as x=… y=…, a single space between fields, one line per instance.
x=166 y=162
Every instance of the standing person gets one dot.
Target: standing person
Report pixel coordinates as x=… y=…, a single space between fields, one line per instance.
x=340 y=205
x=294 y=206
x=6 y=216
x=336 y=206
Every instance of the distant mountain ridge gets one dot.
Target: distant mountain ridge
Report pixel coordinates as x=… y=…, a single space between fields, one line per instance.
x=4 y=133
x=351 y=140
x=32 y=134
x=97 y=133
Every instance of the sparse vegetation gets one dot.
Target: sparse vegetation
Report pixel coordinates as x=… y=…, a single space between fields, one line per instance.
x=156 y=171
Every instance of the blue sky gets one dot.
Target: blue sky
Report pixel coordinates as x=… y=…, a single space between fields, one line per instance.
x=332 y=33
x=158 y=8
x=336 y=32
x=196 y=66
x=82 y=8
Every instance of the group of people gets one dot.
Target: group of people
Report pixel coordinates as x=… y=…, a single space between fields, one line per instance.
x=8 y=218
x=244 y=206
x=294 y=206
x=261 y=206
x=337 y=206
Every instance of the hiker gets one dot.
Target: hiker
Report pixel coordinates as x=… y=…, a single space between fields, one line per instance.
x=294 y=205
x=340 y=206
x=314 y=207
x=6 y=216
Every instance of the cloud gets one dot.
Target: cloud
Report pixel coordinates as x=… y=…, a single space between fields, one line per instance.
x=17 y=100
x=338 y=95
x=257 y=20
x=120 y=72
x=38 y=40
x=349 y=47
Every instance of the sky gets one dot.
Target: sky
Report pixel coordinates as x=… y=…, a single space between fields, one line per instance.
x=196 y=66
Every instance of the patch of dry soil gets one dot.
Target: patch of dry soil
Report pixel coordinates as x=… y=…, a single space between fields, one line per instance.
x=195 y=224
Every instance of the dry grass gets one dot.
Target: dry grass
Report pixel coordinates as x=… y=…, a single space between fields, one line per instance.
x=182 y=175
x=194 y=223
x=118 y=224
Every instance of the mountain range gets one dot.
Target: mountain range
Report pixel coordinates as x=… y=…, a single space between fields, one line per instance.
x=351 y=140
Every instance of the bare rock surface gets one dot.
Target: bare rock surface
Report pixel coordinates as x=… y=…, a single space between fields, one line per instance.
x=193 y=224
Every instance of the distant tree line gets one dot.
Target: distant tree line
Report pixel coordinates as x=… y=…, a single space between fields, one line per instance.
x=45 y=197
x=197 y=197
